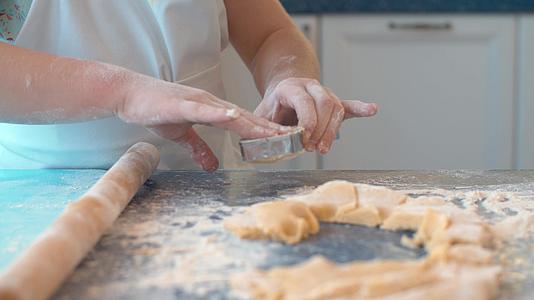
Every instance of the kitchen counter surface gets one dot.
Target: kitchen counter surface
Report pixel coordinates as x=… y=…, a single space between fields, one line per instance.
x=169 y=242
x=407 y=6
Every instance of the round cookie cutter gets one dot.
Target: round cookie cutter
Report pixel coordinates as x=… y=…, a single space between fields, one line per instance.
x=272 y=149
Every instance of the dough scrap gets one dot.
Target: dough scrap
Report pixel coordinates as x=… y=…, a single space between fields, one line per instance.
x=331 y=201
x=380 y=197
x=286 y=221
x=319 y=278
x=344 y=202
x=460 y=244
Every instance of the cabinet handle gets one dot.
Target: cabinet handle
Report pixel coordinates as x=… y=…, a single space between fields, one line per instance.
x=445 y=26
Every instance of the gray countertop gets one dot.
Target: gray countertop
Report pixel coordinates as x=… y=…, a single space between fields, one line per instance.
x=407 y=6
x=169 y=242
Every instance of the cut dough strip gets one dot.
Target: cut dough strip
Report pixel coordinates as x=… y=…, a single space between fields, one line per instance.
x=41 y=269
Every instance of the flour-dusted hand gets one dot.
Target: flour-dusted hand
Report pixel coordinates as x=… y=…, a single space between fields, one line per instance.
x=170 y=110
x=45 y=89
x=306 y=103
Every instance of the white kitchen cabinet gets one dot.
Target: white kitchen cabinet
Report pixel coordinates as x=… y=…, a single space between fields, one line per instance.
x=525 y=104
x=241 y=90
x=444 y=84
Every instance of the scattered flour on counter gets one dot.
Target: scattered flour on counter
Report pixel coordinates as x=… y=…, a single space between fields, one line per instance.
x=499 y=203
x=518 y=226
x=190 y=251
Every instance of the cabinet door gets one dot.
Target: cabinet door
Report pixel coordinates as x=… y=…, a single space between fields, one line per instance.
x=525 y=108
x=241 y=90
x=444 y=85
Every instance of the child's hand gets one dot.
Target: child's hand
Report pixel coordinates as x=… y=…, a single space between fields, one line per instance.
x=170 y=110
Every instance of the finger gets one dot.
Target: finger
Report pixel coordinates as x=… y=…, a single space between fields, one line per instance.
x=193 y=112
x=199 y=150
x=249 y=126
x=186 y=137
x=304 y=107
x=356 y=109
x=246 y=124
x=324 y=103
x=330 y=133
x=247 y=129
x=259 y=121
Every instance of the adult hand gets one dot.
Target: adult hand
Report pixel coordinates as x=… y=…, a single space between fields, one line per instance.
x=170 y=110
x=308 y=104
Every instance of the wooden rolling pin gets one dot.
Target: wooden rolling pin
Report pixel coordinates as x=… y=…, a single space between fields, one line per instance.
x=41 y=269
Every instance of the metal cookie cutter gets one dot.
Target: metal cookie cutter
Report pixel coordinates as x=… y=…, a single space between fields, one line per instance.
x=271 y=149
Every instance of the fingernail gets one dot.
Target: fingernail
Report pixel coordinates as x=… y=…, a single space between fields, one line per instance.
x=211 y=166
x=324 y=148
x=232 y=113
x=211 y=169
x=372 y=108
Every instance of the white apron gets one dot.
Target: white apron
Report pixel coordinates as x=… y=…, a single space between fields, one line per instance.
x=175 y=40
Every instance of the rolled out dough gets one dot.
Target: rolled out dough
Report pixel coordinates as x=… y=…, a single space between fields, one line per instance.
x=460 y=263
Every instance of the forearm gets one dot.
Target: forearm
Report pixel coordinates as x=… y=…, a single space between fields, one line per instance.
x=286 y=71
x=285 y=53
x=38 y=88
